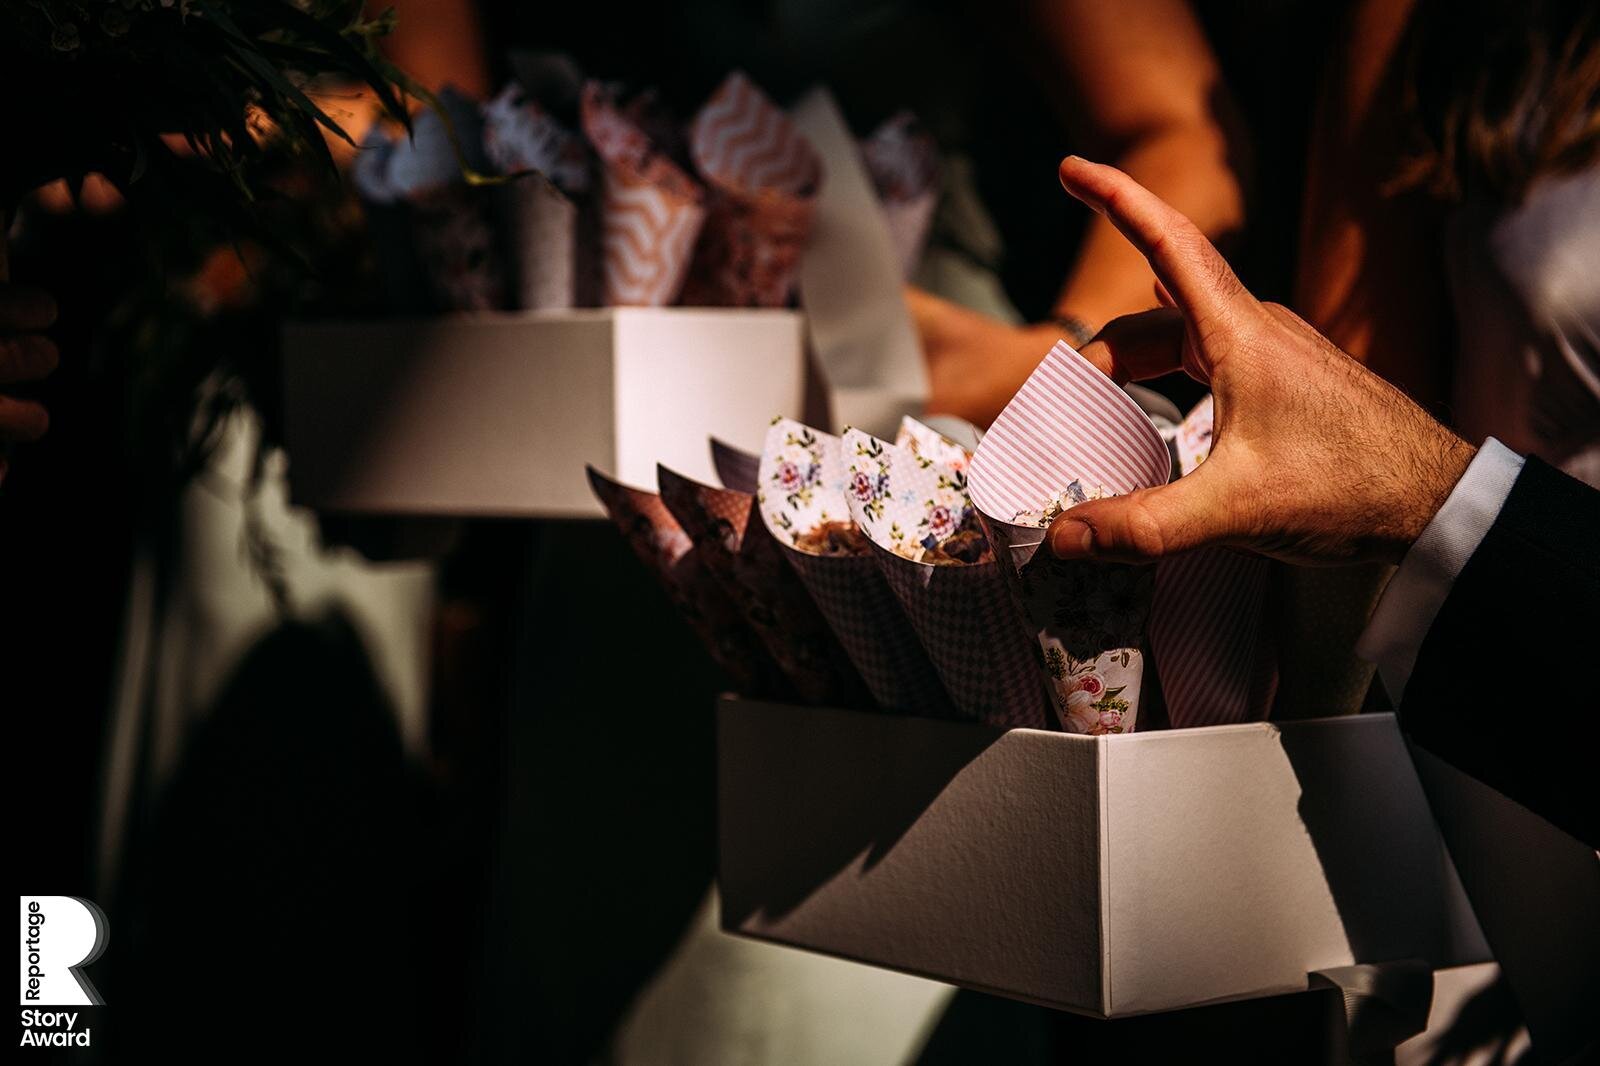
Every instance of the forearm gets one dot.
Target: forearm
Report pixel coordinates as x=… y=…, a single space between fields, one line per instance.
x=1187 y=165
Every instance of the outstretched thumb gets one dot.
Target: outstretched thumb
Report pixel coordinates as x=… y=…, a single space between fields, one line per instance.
x=1146 y=525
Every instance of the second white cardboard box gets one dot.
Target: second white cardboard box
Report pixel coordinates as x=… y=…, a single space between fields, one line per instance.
x=496 y=414
x=1110 y=876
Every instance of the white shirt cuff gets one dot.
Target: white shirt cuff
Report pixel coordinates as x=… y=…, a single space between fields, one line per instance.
x=1418 y=589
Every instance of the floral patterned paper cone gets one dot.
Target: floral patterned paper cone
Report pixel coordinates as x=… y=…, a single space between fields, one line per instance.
x=904 y=165
x=650 y=210
x=961 y=611
x=763 y=179
x=925 y=441
x=736 y=468
x=662 y=545
x=802 y=502
x=1208 y=631
x=751 y=569
x=539 y=221
x=1068 y=435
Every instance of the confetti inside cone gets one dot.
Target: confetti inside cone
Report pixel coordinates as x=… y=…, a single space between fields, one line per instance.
x=802 y=502
x=908 y=505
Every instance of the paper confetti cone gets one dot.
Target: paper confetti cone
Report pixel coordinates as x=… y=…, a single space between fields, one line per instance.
x=802 y=503
x=904 y=165
x=752 y=572
x=1070 y=434
x=923 y=440
x=539 y=220
x=667 y=551
x=763 y=178
x=960 y=611
x=650 y=210
x=451 y=222
x=735 y=467
x=1070 y=427
x=1208 y=630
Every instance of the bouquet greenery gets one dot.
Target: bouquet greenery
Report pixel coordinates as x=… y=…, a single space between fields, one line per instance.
x=178 y=101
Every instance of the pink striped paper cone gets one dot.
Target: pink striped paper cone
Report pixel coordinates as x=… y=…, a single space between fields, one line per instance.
x=1208 y=631
x=763 y=178
x=802 y=489
x=961 y=612
x=1068 y=435
x=667 y=551
x=650 y=210
x=735 y=467
x=904 y=165
x=1211 y=638
x=1206 y=628
x=750 y=567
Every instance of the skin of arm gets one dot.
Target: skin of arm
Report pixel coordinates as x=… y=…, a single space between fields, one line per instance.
x=1369 y=275
x=1138 y=85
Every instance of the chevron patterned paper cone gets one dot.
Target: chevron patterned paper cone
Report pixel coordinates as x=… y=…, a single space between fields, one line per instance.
x=763 y=178
x=802 y=502
x=904 y=164
x=735 y=467
x=667 y=551
x=908 y=506
x=650 y=210
x=751 y=569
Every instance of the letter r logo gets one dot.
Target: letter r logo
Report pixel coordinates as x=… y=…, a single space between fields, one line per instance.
x=60 y=935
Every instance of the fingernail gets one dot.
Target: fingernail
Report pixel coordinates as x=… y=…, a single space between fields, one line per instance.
x=1072 y=540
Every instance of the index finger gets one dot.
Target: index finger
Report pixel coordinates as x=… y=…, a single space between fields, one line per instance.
x=1191 y=269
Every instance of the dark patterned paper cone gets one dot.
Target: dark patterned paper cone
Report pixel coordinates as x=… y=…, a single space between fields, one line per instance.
x=735 y=467
x=650 y=210
x=662 y=545
x=763 y=178
x=1210 y=609
x=452 y=223
x=539 y=221
x=1070 y=434
x=802 y=502
x=750 y=567
x=904 y=164
x=922 y=527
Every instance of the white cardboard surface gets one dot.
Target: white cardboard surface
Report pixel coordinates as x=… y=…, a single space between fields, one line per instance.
x=1111 y=875
x=851 y=286
x=496 y=414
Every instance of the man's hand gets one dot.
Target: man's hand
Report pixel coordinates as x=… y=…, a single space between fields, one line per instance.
x=1314 y=458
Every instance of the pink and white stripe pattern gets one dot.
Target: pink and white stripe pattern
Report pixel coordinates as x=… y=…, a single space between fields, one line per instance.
x=1067 y=422
x=1207 y=630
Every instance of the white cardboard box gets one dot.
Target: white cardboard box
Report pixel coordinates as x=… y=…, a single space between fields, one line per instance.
x=1110 y=876
x=496 y=414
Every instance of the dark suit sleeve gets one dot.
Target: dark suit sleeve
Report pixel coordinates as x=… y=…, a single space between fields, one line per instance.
x=1507 y=683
